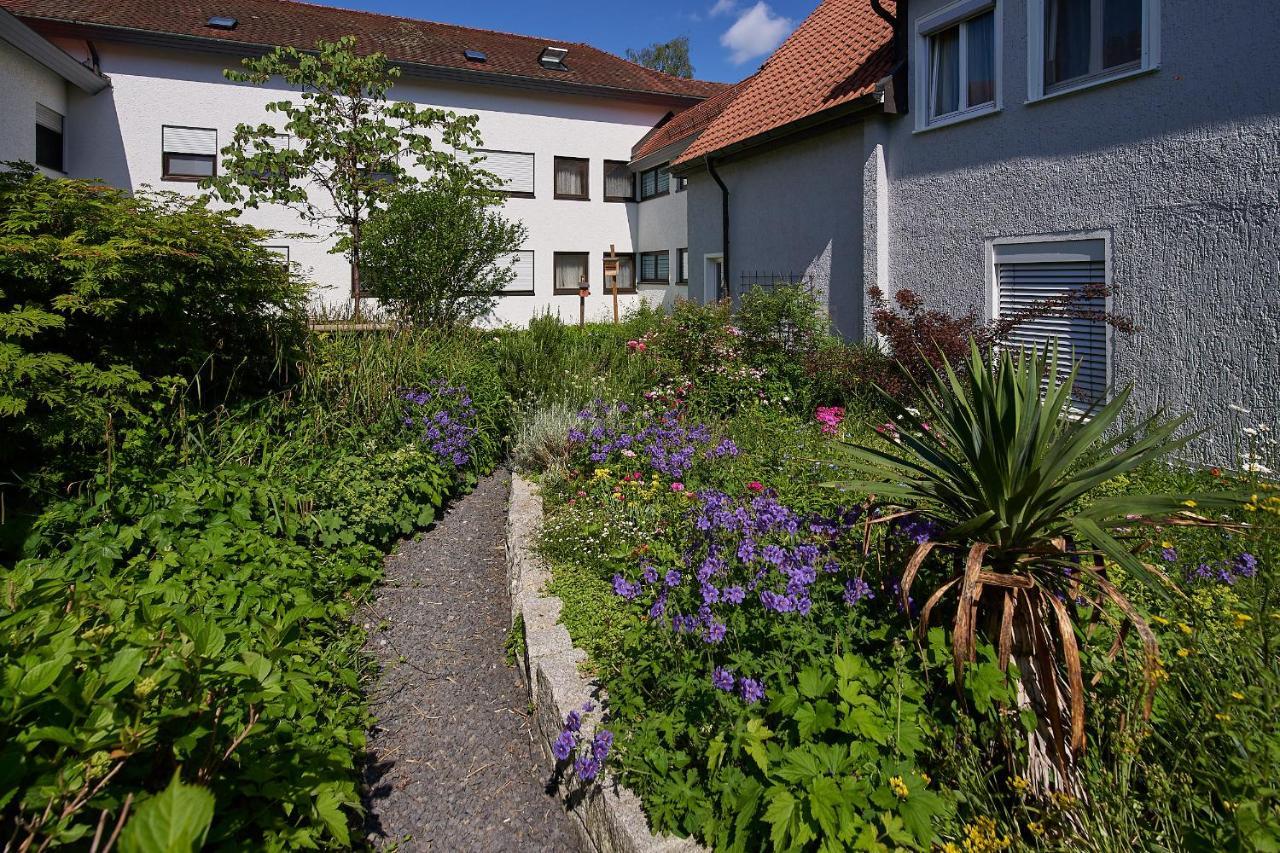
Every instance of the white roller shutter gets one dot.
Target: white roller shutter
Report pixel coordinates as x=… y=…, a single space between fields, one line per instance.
x=48 y=118
x=1030 y=273
x=523 y=263
x=513 y=168
x=190 y=140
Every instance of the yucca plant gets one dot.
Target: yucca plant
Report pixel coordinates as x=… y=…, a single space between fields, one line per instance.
x=1006 y=462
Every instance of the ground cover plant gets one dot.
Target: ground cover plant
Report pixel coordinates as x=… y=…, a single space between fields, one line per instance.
x=773 y=679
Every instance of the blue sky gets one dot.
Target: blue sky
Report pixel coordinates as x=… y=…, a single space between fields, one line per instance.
x=728 y=39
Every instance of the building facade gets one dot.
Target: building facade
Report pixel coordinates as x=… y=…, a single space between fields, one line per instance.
x=1011 y=151
x=558 y=121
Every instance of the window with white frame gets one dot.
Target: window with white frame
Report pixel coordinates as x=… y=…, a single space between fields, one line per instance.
x=188 y=153
x=1076 y=43
x=514 y=169
x=959 y=76
x=521 y=262
x=1069 y=275
x=682 y=265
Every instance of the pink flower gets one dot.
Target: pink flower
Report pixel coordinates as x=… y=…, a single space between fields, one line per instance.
x=756 y=486
x=677 y=487
x=830 y=417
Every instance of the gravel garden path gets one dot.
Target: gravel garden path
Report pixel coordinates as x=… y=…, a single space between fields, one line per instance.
x=453 y=765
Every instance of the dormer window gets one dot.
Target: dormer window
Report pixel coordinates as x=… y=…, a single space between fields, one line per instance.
x=222 y=22
x=553 y=58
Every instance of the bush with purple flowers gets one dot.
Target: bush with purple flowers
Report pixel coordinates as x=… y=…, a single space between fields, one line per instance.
x=445 y=415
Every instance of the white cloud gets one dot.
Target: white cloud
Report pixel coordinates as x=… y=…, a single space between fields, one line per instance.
x=756 y=32
x=723 y=7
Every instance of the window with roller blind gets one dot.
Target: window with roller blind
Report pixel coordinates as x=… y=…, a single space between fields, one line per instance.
x=522 y=264
x=48 y=138
x=655 y=267
x=619 y=183
x=1028 y=274
x=513 y=168
x=188 y=153
x=572 y=176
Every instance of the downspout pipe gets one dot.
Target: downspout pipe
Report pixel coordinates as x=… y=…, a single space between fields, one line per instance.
x=724 y=226
x=898 y=103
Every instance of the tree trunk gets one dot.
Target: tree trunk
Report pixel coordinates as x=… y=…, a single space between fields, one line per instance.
x=355 y=267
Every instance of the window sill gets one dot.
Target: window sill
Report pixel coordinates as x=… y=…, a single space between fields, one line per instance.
x=655 y=281
x=514 y=194
x=559 y=292
x=183 y=179
x=515 y=293
x=559 y=197
x=1092 y=83
x=656 y=195
x=959 y=118
x=619 y=200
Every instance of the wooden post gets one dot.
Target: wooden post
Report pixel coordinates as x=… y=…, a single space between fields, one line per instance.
x=611 y=267
x=583 y=290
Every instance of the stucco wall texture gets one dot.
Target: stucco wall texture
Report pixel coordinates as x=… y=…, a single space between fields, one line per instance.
x=1180 y=167
x=26 y=82
x=796 y=209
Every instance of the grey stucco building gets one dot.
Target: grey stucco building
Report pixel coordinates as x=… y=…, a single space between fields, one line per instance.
x=985 y=152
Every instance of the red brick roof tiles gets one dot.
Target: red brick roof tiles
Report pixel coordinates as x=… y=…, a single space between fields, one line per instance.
x=301 y=25
x=687 y=123
x=836 y=56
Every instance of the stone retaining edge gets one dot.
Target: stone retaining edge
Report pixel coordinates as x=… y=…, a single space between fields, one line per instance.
x=608 y=817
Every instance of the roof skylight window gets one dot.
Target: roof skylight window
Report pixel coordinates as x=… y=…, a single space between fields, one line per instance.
x=222 y=22
x=475 y=55
x=553 y=58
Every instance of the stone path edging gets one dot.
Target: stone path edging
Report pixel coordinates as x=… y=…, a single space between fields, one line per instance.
x=608 y=818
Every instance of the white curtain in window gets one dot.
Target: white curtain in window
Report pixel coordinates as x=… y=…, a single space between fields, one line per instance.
x=945 y=70
x=980 y=36
x=571 y=178
x=571 y=271
x=617 y=180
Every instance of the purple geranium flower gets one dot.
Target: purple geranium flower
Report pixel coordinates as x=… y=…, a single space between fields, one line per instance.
x=563 y=747
x=750 y=690
x=722 y=679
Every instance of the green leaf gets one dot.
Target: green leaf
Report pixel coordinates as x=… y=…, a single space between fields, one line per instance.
x=328 y=805
x=176 y=820
x=38 y=678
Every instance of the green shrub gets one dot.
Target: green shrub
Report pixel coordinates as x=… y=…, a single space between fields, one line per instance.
x=102 y=293
x=439 y=253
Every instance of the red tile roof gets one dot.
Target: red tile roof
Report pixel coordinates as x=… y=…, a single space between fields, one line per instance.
x=686 y=123
x=836 y=56
x=300 y=25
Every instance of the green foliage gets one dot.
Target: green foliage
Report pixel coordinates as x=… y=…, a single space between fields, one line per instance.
x=176 y=820
x=103 y=293
x=190 y=615
x=439 y=254
x=349 y=148
x=671 y=57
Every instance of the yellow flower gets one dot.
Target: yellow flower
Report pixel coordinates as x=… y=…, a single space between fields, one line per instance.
x=925 y=777
x=1243 y=619
x=1182 y=653
x=1159 y=620
x=1222 y=718
x=1166 y=544
x=950 y=847
x=1036 y=828
x=1184 y=627
x=899 y=787
x=1237 y=695
x=1189 y=503
x=1020 y=785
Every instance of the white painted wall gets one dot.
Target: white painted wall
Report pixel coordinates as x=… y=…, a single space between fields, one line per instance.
x=664 y=224
x=23 y=83
x=118 y=133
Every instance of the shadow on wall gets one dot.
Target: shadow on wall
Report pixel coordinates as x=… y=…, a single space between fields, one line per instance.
x=95 y=145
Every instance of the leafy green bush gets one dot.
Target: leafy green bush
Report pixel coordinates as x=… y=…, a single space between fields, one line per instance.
x=439 y=253
x=103 y=293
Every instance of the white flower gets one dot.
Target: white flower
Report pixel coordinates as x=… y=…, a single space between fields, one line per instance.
x=1257 y=468
x=1250 y=431
x=1237 y=408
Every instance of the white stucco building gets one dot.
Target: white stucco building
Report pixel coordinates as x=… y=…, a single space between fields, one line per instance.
x=144 y=103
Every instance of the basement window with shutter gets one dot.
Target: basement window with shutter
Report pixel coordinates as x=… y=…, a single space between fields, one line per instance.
x=48 y=138
x=513 y=168
x=189 y=153
x=1028 y=274
x=522 y=285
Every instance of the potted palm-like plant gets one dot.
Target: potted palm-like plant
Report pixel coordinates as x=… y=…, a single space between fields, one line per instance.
x=1008 y=465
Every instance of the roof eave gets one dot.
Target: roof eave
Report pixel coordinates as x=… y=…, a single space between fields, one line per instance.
x=52 y=57
x=665 y=154
x=418 y=70
x=849 y=109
